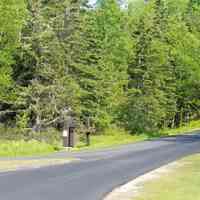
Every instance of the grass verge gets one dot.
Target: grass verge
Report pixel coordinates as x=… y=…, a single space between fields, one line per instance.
x=187 y=128
x=180 y=183
x=114 y=137
x=25 y=148
x=111 y=138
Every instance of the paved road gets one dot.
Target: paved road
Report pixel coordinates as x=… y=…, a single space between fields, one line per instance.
x=97 y=173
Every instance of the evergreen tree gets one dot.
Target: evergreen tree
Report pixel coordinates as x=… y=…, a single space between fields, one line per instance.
x=12 y=16
x=151 y=92
x=103 y=74
x=136 y=67
x=52 y=90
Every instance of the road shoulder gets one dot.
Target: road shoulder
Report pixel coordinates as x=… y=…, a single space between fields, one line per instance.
x=157 y=182
x=15 y=165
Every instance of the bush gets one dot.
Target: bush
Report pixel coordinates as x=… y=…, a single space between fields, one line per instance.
x=50 y=136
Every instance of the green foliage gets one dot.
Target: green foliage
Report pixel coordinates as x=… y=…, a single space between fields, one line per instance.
x=151 y=91
x=186 y=128
x=162 y=68
x=11 y=20
x=103 y=71
x=22 y=121
x=50 y=136
x=52 y=89
x=135 y=67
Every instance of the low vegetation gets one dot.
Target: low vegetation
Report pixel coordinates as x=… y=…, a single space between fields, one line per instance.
x=25 y=148
x=115 y=137
x=187 y=128
x=112 y=137
x=178 y=184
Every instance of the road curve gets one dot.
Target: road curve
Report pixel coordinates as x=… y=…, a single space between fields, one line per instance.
x=97 y=173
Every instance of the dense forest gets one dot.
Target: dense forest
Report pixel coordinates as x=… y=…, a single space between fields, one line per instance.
x=131 y=64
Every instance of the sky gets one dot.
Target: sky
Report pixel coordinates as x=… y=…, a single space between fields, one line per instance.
x=92 y=1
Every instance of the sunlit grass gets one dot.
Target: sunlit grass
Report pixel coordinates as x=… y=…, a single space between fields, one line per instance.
x=111 y=138
x=187 y=128
x=115 y=137
x=182 y=183
x=25 y=148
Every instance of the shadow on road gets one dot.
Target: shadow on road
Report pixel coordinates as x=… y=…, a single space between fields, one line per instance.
x=180 y=138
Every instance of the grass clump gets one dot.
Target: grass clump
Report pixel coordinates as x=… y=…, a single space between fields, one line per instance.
x=182 y=183
x=25 y=148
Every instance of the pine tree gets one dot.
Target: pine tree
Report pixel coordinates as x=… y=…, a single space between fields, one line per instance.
x=103 y=73
x=12 y=15
x=189 y=88
x=151 y=89
x=52 y=90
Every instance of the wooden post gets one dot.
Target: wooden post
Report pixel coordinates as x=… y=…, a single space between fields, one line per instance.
x=65 y=133
x=88 y=132
x=88 y=138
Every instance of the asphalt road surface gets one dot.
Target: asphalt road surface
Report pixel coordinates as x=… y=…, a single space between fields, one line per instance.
x=97 y=173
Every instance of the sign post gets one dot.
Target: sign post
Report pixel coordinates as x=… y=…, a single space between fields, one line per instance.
x=69 y=138
x=89 y=129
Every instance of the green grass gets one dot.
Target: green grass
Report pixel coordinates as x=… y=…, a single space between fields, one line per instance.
x=111 y=138
x=187 y=128
x=181 y=183
x=22 y=148
x=115 y=137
